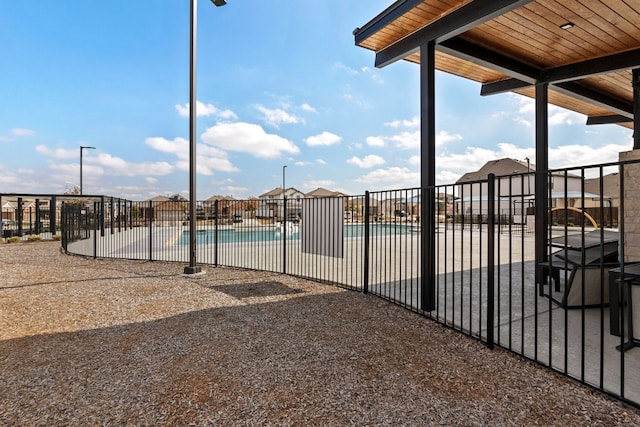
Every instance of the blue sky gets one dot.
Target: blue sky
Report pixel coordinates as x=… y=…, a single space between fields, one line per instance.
x=279 y=83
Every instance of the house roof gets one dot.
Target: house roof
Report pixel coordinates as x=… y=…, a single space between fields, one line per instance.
x=584 y=50
x=216 y=197
x=610 y=185
x=159 y=198
x=278 y=192
x=323 y=192
x=498 y=167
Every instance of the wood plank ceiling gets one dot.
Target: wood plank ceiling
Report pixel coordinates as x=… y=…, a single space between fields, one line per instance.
x=530 y=35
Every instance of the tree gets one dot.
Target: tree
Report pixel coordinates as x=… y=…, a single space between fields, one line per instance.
x=72 y=191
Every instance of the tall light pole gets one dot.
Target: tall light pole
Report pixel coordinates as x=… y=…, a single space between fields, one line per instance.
x=193 y=267
x=83 y=147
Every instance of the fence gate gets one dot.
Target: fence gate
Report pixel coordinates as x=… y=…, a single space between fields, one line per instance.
x=77 y=223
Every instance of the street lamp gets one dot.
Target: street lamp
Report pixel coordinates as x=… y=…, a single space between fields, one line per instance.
x=83 y=147
x=192 y=267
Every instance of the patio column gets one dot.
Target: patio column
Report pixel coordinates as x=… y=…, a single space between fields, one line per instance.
x=427 y=176
x=629 y=207
x=541 y=174
x=629 y=183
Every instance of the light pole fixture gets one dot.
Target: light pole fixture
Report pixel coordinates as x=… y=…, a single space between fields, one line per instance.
x=283 y=187
x=83 y=147
x=193 y=267
x=528 y=176
x=284 y=192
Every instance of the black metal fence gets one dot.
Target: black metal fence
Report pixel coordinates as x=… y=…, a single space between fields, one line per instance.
x=557 y=288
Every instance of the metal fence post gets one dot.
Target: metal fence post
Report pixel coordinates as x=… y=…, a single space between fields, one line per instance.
x=38 y=229
x=284 y=234
x=95 y=230
x=365 y=286
x=111 y=215
x=150 y=230
x=19 y=216
x=101 y=216
x=215 y=232
x=491 y=231
x=52 y=215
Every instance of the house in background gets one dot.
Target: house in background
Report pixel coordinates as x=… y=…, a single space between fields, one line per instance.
x=270 y=202
x=515 y=184
x=224 y=204
x=610 y=187
x=171 y=212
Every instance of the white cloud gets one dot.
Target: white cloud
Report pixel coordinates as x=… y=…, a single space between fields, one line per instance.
x=406 y=140
x=410 y=140
x=574 y=155
x=414 y=122
x=443 y=138
x=339 y=66
x=372 y=74
x=390 y=178
x=151 y=180
x=358 y=101
x=313 y=184
x=204 y=110
x=208 y=158
x=234 y=189
x=302 y=163
x=323 y=139
x=309 y=108
x=23 y=132
x=559 y=116
x=375 y=141
x=321 y=161
x=277 y=116
x=367 y=162
x=525 y=114
x=248 y=138
x=113 y=165
x=59 y=153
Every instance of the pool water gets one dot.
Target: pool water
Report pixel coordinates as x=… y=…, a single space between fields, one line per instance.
x=260 y=234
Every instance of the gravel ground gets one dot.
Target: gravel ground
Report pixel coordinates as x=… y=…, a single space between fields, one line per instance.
x=118 y=342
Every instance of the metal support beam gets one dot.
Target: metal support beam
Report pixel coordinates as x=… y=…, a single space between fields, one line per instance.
x=393 y=12
x=524 y=75
x=479 y=55
x=457 y=22
x=607 y=120
x=592 y=67
x=427 y=176
x=541 y=184
x=635 y=81
x=502 y=86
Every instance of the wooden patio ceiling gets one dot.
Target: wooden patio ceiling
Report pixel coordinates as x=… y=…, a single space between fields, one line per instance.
x=508 y=45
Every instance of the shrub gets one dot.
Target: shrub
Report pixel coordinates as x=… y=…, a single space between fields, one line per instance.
x=14 y=239
x=56 y=237
x=34 y=238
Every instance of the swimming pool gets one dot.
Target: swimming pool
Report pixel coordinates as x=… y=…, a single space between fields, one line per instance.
x=268 y=234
